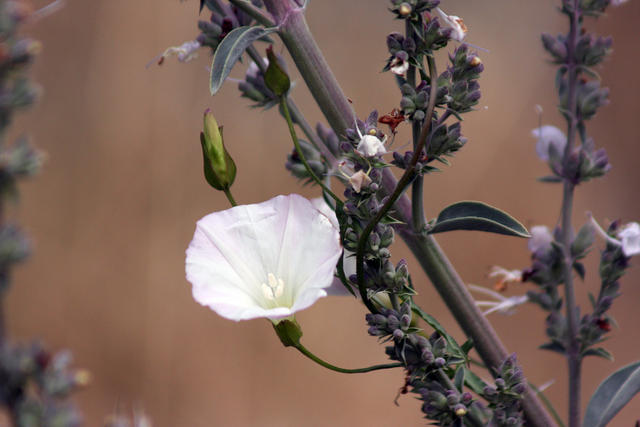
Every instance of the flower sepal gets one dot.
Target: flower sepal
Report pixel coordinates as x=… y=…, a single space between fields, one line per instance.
x=288 y=331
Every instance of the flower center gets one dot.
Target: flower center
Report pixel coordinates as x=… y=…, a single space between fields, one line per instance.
x=274 y=288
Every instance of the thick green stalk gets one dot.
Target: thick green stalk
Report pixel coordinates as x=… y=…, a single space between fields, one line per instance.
x=314 y=69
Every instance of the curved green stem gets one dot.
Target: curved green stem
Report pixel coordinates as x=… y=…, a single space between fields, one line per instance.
x=296 y=143
x=302 y=349
x=400 y=187
x=227 y=192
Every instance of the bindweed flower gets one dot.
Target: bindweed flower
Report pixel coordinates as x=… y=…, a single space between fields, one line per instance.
x=549 y=136
x=455 y=23
x=269 y=259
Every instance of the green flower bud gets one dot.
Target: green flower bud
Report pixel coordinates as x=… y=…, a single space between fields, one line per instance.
x=289 y=332
x=275 y=77
x=219 y=167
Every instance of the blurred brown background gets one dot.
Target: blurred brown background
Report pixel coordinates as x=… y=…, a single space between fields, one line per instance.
x=116 y=205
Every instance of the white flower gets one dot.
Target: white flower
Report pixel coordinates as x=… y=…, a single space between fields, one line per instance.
x=359 y=180
x=398 y=66
x=458 y=29
x=185 y=52
x=263 y=260
x=504 y=277
x=540 y=240
x=503 y=305
x=629 y=236
x=370 y=146
x=549 y=136
x=337 y=288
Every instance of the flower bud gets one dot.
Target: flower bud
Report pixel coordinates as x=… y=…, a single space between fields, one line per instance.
x=219 y=167
x=289 y=332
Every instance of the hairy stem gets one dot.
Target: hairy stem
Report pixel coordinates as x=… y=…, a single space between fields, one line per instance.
x=314 y=69
x=573 y=346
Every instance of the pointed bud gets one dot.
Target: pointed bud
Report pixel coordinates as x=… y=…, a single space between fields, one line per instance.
x=275 y=78
x=219 y=167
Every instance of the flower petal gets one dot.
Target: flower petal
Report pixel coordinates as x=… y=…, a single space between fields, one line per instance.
x=233 y=252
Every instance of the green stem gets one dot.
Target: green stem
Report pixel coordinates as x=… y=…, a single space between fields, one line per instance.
x=254 y=12
x=296 y=143
x=417 y=188
x=400 y=187
x=302 y=349
x=232 y=201
x=574 y=358
x=296 y=115
x=333 y=103
x=548 y=404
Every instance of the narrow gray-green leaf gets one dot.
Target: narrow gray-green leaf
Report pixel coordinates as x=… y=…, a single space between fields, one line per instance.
x=611 y=396
x=230 y=50
x=477 y=216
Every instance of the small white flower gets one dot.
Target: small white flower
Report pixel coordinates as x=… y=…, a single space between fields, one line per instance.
x=630 y=238
x=186 y=52
x=458 y=29
x=549 y=136
x=504 y=277
x=628 y=235
x=370 y=145
x=503 y=305
x=540 y=240
x=359 y=180
x=269 y=259
x=399 y=67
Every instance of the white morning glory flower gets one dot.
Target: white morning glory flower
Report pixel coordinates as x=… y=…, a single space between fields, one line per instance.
x=548 y=135
x=269 y=259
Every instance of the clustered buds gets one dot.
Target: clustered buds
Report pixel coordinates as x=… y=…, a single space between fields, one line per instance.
x=506 y=396
x=34 y=385
x=411 y=9
x=224 y=18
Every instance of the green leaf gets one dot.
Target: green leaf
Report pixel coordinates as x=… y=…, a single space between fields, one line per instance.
x=551 y=179
x=477 y=216
x=611 y=396
x=230 y=50
x=474 y=382
x=431 y=321
x=600 y=352
x=458 y=379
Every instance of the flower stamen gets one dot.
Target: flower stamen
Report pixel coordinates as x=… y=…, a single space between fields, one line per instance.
x=274 y=288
